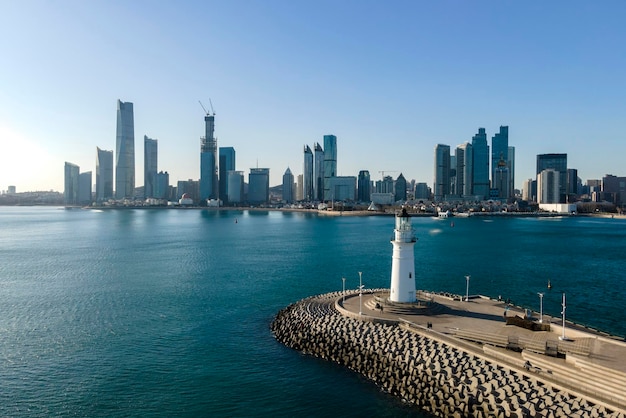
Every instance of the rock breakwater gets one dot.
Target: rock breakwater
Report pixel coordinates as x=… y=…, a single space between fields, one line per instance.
x=437 y=377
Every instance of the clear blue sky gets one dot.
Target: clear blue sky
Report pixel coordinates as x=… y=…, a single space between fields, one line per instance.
x=390 y=79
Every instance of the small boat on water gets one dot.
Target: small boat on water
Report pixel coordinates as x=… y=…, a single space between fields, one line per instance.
x=549 y=285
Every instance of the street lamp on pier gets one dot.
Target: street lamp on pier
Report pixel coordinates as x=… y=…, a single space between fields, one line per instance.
x=467 y=279
x=360 y=293
x=563 y=337
x=540 y=308
x=343 y=279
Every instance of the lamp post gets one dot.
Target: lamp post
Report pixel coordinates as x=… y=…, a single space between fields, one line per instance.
x=343 y=279
x=540 y=308
x=467 y=279
x=562 y=337
x=360 y=293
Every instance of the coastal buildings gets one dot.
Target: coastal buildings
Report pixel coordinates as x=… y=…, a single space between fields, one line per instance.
x=341 y=188
x=499 y=154
x=84 y=188
x=208 y=157
x=364 y=186
x=442 y=172
x=70 y=193
x=259 y=186
x=125 y=152
x=104 y=175
x=548 y=188
x=557 y=162
x=150 y=154
x=235 y=187
x=307 y=175
x=318 y=172
x=399 y=189
x=288 y=186
x=161 y=185
x=422 y=191
x=330 y=163
x=464 y=169
x=226 y=164
x=480 y=165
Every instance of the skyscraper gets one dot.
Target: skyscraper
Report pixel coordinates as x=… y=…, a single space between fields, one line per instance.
x=501 y=181
x=70 y=193
x=259 y=185
x=288 y=186
x=442 y=171
x=307 y=175
x=464 y=169
x=104 y=175
x=480 y=157
x=318 y=173
x=499 y=150
x=84 y=188
x=208 y=157
x=161 y=185
x=226 y=164
x=330 y=162
x=150 y=153
x=400 y=189
x=511 y=165
x=548 y=186
x=364 y=186
x=125 y=152
x=557 y=162
x=235 y=187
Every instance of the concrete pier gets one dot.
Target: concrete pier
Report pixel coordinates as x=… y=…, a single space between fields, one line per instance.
x=456 y=358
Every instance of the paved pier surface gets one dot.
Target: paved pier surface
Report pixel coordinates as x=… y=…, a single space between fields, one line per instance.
x=587 y=362
x=450 y=316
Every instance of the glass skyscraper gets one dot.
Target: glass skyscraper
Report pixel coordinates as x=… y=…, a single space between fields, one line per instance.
x=125 y=152
x=364 y=186
x=226 y=164
x=84 y=188
x=70 y=193
x=288 y=186
x=480 y=157
x=330 y=162
x=307 y=175
x=208 y=156
x=464 y=169
x=557 y=162
x=442 y=171
x=104 y=175
x=150 y=154
x=499 y=150
x=235 y=187
x=399 y=188
x=259 y=185
x=318 y=173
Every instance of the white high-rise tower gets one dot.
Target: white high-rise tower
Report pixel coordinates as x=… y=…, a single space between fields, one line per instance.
x=403 y=260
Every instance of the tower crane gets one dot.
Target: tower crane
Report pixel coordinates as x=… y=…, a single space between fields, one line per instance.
x=206 y=112
x=382 y=173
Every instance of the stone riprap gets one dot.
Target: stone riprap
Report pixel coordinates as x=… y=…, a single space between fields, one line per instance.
x=437 y=377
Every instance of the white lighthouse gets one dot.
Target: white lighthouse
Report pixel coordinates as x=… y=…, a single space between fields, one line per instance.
x=403 y=260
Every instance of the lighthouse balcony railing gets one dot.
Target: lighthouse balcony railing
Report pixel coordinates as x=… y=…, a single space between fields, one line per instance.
x=404 y=236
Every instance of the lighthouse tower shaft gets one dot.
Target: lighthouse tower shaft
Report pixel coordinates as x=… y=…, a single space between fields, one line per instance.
x=402 y=287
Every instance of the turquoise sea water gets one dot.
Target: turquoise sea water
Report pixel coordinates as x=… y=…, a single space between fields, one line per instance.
x=167 y=312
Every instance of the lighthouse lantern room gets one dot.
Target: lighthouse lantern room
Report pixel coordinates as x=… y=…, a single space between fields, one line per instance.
x=402 y=287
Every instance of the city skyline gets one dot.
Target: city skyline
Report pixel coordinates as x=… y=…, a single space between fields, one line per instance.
x=390 y=81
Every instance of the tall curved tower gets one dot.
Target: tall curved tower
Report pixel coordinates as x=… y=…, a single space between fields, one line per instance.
x=403 y=260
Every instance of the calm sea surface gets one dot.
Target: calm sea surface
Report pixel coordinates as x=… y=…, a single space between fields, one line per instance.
x=167 y=312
